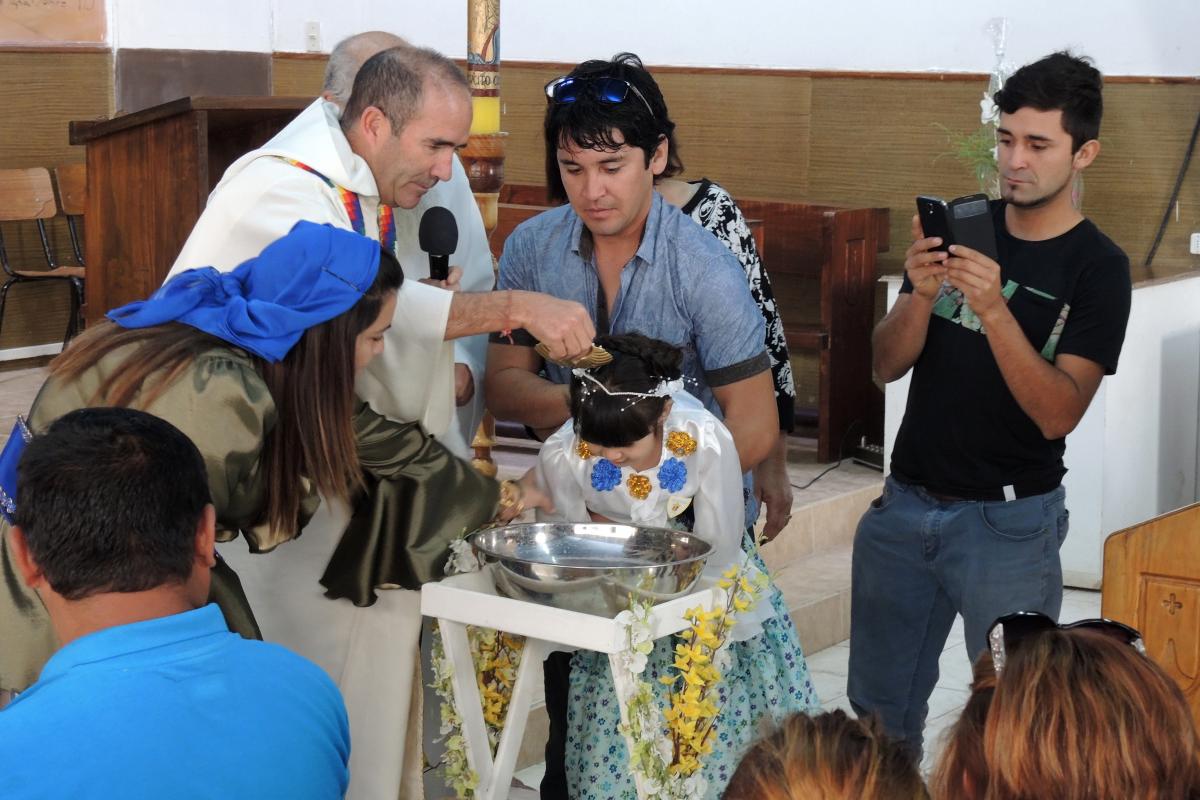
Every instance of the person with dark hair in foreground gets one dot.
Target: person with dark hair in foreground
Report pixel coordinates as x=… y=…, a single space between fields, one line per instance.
x=639 y=449
x=150 y=695
x=1005 y=356
x=1074 y=711
x=830 y=756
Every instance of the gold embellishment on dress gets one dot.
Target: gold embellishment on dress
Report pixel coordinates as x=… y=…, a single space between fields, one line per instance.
x=680 y=443
x=639 y=486
x=597 y=357
x=582 y=450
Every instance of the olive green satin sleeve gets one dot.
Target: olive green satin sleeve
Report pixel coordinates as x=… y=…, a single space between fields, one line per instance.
x=26 y=638
x=221 y=403
x=419 y=498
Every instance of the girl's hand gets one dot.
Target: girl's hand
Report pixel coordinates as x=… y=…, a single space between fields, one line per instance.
x=529 y=495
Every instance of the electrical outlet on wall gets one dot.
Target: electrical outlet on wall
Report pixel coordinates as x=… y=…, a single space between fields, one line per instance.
x=1195 y=244
x=312 y=37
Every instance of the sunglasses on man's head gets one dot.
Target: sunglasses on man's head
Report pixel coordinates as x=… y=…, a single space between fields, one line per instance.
x=604 y=88
x=1010 y=631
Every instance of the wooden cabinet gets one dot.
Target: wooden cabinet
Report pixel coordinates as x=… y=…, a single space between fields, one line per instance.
x=1152 y=582
x=149 y=175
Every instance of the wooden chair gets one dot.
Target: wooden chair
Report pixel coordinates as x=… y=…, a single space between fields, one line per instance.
x=1152 y=582
x=72 y=198
x=27 y=196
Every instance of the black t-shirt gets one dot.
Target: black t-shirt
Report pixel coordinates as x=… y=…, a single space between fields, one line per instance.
x=963 y=433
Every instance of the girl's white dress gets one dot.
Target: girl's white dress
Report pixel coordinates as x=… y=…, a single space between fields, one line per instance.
x=696 y=485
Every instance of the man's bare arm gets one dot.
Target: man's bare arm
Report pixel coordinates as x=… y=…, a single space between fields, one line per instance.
x=515 y=391
x=1055 y=396
x=899 y=337
x=751 y=416
x=563 y=325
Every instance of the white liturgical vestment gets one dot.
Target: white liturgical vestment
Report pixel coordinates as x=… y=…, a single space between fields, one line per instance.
x=372 y=653
x=261 y=196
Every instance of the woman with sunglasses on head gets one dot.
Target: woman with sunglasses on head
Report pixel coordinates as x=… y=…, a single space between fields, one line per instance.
x=640 y=450
x=257 y=367
x=1077 y=712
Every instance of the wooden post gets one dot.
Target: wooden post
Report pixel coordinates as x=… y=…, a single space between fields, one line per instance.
x=483 y=157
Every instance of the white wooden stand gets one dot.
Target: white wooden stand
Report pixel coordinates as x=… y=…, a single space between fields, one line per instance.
x=471 y=599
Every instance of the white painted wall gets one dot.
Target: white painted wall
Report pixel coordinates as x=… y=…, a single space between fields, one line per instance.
x=1136 y=452
x=1150 y=37
x=240 y=25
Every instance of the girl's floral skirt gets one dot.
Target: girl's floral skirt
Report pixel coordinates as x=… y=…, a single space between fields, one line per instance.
x=765 y=680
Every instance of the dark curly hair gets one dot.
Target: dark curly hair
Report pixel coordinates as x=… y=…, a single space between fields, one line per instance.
x=591 y=123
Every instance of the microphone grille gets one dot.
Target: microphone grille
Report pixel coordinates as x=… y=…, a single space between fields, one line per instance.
x=438 y=232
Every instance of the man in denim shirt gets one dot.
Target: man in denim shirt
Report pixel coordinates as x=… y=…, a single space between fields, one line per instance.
x=634 y=261
x=638 y=265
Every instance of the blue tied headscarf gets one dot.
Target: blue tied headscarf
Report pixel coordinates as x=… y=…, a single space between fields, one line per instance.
x=309 y=276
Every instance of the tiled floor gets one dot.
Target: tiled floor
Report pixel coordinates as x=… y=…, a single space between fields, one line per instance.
x=17 y=390
x=829 y=667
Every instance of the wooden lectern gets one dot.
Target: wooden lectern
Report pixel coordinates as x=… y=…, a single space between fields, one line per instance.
x=149 y=175
x=1152 y=582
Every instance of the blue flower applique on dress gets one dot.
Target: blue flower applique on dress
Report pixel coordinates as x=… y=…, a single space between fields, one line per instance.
x=672 y=475
x=605 y=475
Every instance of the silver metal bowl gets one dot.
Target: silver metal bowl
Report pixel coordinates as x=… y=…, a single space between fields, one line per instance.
x=590 y=567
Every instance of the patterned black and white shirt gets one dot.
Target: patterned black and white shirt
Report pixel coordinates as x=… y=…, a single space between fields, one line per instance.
x=715 y=210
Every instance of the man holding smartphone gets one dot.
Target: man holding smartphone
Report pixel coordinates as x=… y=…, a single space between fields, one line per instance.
x=1006 y=356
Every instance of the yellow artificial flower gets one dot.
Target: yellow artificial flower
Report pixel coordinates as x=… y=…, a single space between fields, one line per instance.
x=681 y=443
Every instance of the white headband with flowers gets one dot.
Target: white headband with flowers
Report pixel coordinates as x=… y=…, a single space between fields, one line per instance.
x=665 y=388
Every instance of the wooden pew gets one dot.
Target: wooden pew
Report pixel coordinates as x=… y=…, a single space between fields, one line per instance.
x=1152 y=582
x=821 y=260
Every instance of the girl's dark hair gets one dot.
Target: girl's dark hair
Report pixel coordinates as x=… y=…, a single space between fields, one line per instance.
x=590 y=123
x=312 y=388
x=639 y=364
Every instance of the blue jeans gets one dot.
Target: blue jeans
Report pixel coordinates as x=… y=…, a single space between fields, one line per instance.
x=919 y=561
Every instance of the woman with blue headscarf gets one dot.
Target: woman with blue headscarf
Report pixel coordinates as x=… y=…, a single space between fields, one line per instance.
x=257 y=367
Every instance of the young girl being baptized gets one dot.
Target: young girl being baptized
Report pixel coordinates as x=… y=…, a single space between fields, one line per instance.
x=641 y=450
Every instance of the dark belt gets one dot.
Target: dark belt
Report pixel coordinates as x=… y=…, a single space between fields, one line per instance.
x=1019 y=492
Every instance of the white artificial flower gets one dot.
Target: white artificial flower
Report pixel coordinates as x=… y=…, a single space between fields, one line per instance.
x=695 y=785
x=633 y=661
x=462 y=558
x=666 y=750
x=988 y=112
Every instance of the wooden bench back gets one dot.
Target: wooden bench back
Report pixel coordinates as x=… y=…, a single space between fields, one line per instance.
x=26 y=194
x=72 y=187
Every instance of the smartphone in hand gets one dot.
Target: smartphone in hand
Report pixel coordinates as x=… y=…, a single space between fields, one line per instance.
x=965 y=220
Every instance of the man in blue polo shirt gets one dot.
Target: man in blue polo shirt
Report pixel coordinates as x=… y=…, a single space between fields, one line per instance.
x=150 y=695
x=638 y=265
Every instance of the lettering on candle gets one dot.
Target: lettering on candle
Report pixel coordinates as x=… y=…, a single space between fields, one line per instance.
x=483 y=47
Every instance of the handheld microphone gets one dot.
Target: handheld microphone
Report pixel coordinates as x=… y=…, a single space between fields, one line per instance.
x=438 y=236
